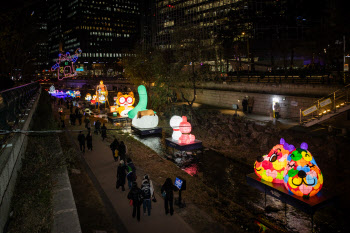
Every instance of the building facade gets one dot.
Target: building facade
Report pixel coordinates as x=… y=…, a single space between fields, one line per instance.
x=105 y=31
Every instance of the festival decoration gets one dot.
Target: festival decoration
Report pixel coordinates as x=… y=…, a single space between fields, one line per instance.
x=302 y=176
x=125 y=103
x=271 y=167
x=141 y=117
x=52 y=90
x=181 y=130
x=93 y=100
x=101 y=93
x=65 y=64
x=175 y=124
x=88 y=97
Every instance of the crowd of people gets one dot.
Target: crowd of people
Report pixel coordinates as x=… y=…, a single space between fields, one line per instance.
x=138 y=195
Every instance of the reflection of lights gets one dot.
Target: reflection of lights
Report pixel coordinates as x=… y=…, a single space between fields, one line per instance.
x=324 y=111
x=192 y=170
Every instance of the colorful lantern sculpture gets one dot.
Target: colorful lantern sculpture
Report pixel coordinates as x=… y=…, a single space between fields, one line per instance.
x=141 y=117
x=101 y=93
x=65 y=64
x=302 y=176
x=271 y=167
x=77 y=94
x=93 y=100
x=181 y=130
x=185 y=129
x=125 y=103
x=52 y=90
x=88 y=97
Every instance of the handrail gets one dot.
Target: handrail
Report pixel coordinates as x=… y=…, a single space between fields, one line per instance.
x=338 y=99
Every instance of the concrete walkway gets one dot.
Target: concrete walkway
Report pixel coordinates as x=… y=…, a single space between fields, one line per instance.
x=102 y=164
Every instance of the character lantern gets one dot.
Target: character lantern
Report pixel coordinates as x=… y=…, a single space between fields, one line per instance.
x=271 y=167
x=125 y=103
x=101 y=93
x=88 y=97
x=302 y=176
x=181 y=130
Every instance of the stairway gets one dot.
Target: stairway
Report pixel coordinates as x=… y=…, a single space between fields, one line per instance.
x=326 y=108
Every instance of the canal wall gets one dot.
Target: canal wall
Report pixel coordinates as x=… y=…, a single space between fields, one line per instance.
x=11 y=161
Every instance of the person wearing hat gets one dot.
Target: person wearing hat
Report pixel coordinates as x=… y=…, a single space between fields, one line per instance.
x=121 y=175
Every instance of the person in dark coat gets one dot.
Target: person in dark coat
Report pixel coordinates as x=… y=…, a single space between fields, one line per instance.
x=135 y=195
x=245 y=104
x=81 y=139
x=122 y=150
x=97 y=126
x=103 y=132
x=89 y=141
x=114 y=146
x=169 y=189
x=131 y=172
x=121 y=175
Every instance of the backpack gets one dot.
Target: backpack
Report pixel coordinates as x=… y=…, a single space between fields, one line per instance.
x=116 y=154
x=146 y=190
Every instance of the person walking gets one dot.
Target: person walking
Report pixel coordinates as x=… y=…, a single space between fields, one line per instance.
x=131 y=172
x=80 y=116
x=122 y=150
x=146 y=194
x=168 y=193
x=146 y=178
x=89 y=141
x=250 y=104
x=97 y=126
x=135 y=195
x=114 y=146
x=62 y=116
x=103 y=132
x=244 y=104
x=121 y=175
x=81 y=139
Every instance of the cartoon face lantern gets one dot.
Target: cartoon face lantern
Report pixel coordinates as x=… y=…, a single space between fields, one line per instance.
x=271 y=167
x=302 y=176
x=125 y=102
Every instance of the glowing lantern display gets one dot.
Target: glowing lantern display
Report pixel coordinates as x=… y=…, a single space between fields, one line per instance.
x=88 y=97
x=271 y=167
x=101 y=93
x=52 y=90
x=65 y=64
x=141 y=117
x=77 y=94
x=181 y=130
x=175 y=124
x=93 y=100
x=125 y=103
x=302 y=176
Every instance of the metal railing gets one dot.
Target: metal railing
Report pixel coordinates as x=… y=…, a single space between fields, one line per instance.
x=328 y=104
x=13 y=105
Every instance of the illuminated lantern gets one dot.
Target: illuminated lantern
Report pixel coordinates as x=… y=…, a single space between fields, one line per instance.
x=52 y=89
x=77 y=94
x=125 y=102
x=185 y=126
x=93 y=100
x=175 y=124
x=88 y=97
x=141 y=117
x=101 y=93
x=271 y=167
x=65 y=64
x=302 y=176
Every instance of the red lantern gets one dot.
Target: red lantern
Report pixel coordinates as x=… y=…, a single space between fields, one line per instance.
x=185 y=127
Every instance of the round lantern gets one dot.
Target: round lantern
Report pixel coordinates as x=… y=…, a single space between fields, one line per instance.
x=175 y=124
x=271 y=167
x=302 y=176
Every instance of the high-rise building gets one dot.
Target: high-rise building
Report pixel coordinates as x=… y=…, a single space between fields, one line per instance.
x=105 y=31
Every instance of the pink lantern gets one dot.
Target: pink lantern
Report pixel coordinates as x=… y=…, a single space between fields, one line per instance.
x=185 y=126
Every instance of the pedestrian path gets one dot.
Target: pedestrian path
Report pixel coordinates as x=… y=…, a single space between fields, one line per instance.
x=102 y=164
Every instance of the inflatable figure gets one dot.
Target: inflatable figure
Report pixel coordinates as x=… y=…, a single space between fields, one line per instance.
x=302 y=176
x=140 y=117
x=271 y=167
x=125 y=103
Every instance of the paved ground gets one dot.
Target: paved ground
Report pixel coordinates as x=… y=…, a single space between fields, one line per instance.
x=104 y=168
